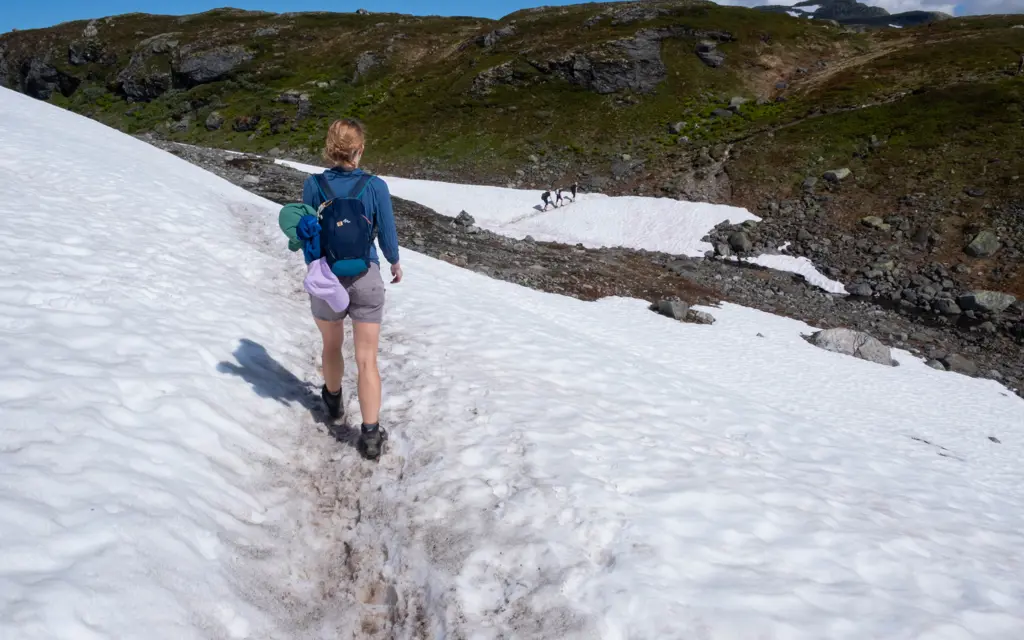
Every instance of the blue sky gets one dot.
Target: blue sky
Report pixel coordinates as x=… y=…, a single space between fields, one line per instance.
x=22 y=14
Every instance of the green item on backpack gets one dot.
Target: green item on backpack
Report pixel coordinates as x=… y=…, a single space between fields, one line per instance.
x=288 y=220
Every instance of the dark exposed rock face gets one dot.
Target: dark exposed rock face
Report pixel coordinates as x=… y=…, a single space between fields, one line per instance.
x=194 y=67
x=83 y=52
x=40 y=79
x=148 y=74
x=630 y=64
x=633 y=63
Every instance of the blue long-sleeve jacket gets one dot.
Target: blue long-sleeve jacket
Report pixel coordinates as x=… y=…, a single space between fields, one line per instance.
x=376 y=198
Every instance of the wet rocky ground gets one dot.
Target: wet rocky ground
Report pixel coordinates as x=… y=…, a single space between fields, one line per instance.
x=980 y=344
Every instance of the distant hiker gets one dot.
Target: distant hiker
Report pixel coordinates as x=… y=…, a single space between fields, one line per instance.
x=354 y=208
x=558 y=198
x=1020 y=67
x=573 y=189
x=546 y=197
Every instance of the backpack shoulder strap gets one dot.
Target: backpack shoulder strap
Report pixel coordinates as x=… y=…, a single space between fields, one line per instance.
x=360 y=186
x=325 y=187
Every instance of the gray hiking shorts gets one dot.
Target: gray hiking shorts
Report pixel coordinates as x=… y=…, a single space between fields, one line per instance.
x=366 y=299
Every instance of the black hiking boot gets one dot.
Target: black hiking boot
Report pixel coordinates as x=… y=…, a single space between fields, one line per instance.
x=371 y=441
x=332 y=401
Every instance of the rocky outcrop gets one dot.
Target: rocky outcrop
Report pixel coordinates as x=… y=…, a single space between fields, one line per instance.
x=366 y=62
x=82 y=52
x=40 y=79
x=632 y=63
x=709 y=54
x=853 y=343
x=492 y=38
x=148 y=74
x=194 y=67
x=502 y=74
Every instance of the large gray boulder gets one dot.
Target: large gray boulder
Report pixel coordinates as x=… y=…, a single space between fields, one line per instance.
x=214 y=121
x=984 y=244
x=853 y=343
x=990 y=301
x=193 y=67
x=675 y=309
x=740 y=242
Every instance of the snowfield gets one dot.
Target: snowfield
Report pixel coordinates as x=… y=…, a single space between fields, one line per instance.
x=558 y=468
x=594 y=220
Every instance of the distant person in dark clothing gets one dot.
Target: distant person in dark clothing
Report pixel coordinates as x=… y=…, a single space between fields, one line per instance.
x=558 y=198
x=573 y=189
x=546 y=197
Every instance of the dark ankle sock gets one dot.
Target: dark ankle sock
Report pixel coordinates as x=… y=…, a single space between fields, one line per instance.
x=333 y=393
x=370 y=427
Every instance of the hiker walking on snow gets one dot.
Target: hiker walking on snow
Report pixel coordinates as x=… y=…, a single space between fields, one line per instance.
x=558 y=198
x=356 y=208
x=546 y=197
x=573 y=189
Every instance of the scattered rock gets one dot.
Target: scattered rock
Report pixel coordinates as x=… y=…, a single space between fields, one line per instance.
x=699 y=317
x=853 y=343
x=809 y=183
x=994 y=439
x=837 y=175
x=246 y=123
x=990 y=301
x=464 y=219
x=214 y=121
x=180 y=125
x=960 y=364
x=675 y=309
x=861 y=289
x=709 y=54
x=721 y=113
x=676 y=128
x=740 y=242
x=935 y=364
x=737 y=102
x=946 y=306
x=267 y=31
x=983 y=245
x=250 y=180
x=874 y=222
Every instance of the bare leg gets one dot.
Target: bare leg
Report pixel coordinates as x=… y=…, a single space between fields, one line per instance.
x=367 y=338
x=333 y=334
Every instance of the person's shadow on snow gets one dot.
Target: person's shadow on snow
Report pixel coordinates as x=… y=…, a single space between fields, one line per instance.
x=270 y=379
